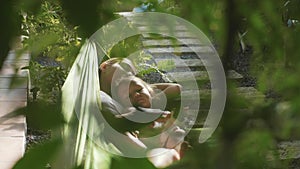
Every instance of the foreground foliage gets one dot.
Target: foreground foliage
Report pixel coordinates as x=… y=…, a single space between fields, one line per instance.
x=243 y=140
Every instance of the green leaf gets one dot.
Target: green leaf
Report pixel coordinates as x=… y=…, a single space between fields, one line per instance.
x=42 y=115
x=132 y=163
x=40 y=156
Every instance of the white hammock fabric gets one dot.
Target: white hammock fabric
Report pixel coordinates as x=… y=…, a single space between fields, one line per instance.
x=80 y=103
x=80 y=108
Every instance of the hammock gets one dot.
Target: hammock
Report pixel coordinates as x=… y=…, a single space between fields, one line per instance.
x=84 y=143
x=80 y=109
x=83 y=133
x=85 y=138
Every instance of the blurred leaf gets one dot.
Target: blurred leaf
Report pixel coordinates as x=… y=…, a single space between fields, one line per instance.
x=44 y=115
x=41 y=114
x=166 y=65
x=38 y=157
x=126 y=47
x=253 y=147
x=132 y=163
x=10 y=27
x=78 y=167
x=88 y=15
x=40 y=43
x=31 y=6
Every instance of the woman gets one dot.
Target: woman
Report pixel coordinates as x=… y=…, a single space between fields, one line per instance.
x=134 y=92
x=113 y=71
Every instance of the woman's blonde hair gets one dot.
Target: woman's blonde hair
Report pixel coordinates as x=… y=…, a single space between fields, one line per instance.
x=127 y=80
x=124 y=62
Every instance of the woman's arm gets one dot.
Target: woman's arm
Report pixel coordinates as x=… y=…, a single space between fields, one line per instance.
x=171 y=90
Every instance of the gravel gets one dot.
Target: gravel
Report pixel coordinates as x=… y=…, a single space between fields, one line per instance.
x=35 y=137
x=240 y=62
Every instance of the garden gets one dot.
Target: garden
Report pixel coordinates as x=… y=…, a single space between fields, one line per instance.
x=256 y=40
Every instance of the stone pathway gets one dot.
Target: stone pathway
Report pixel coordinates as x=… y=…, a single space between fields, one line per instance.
x=182 y=52
x=13 y=95
x=187 y=67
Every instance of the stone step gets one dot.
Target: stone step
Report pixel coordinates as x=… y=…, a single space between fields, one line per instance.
x=198 y=125
x=194 y=116
x=20 y=63
x=13 y=82
x=160 y=28
x=181 y=63
x=187 y=76
x=203 y=112
x=246 y=92
x=206 y=56
x=286 y=150
x=11 y=150
x=13 y=130
x=138 y=20
x=169 y=35
x=198 y=117
x=13 y=72
x=155 y=23
x=12 y=119
x=125 y=14
x=289 y=149
x=180 y=50
x=193 y=135
x=198 y=76
x=170 y=43
x=12 y=66
x=201 y=99
x=15 y=56
x=13 y=95
x=249 y=92
x=195 y=85
x=8 y=107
